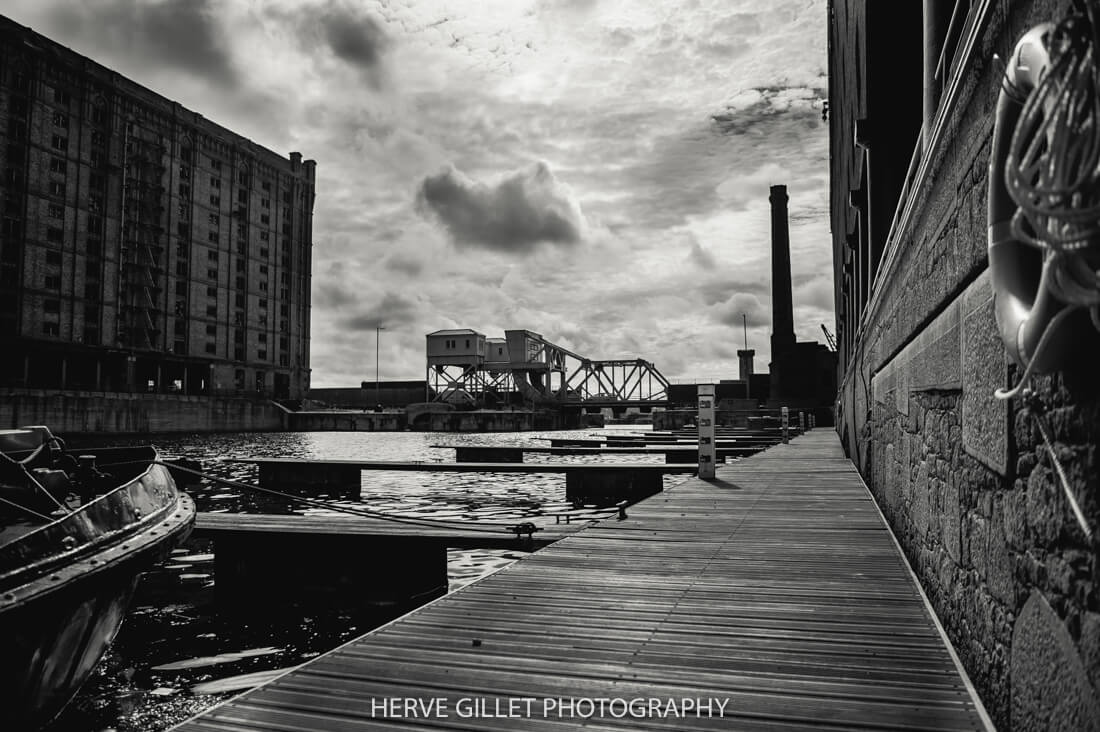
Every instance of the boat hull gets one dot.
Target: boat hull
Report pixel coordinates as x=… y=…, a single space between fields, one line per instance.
x=58 y=620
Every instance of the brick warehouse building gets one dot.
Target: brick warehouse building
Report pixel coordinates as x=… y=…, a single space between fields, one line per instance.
x=144 y=249
x=963 y=478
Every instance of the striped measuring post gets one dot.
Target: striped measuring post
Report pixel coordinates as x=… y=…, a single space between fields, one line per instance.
x=707 y=454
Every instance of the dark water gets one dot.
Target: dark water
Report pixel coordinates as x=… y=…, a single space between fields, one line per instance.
x=179 y=652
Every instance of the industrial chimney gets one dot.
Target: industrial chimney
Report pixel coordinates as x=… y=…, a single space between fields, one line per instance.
x=783 y=342
x=782 y=308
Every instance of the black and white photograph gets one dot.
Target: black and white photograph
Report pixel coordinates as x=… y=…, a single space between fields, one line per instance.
x=545 y=365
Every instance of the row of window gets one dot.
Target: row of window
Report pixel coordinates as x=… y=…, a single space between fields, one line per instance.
x=17 y=130
x=97 y=113
x=242 y=179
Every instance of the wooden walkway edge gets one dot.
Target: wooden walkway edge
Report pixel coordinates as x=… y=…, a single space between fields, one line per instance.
x=773 y=598
x=454 y=534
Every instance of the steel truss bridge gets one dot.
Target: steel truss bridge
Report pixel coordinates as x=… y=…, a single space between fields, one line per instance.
x=526 y=369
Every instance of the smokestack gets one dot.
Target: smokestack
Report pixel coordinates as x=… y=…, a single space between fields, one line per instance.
x=782 y=307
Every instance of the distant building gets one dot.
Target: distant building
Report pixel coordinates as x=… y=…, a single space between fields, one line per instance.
x=455 y=347
x=368 y=394
x=802 y=373
x=143 y=247
x=496 y=351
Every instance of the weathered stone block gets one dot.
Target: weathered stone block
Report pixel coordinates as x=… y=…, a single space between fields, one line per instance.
x=1000 y=564
x=901 y=389
x=1044 y=507
x=920 y=505
x=889 y=479
x=1015 y=519
x=1089 y=646
x=984 y=418
x=935 y=353
x=977 y=544
x=1044 y=658
x=951 y=523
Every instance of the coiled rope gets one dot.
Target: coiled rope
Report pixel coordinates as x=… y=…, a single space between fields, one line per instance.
x=1052 y=173
x=1052 y=170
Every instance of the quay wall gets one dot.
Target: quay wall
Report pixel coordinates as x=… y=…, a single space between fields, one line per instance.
x=963 y=478
x=88 y=412
x=346 y=421
x=449 y=421
x=484 y=421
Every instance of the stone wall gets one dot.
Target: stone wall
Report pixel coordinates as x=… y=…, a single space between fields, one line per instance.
x=120 y=413
x=347 y=421
x=963 y=478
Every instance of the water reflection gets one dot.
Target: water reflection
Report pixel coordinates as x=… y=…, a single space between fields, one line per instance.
x=179 y=653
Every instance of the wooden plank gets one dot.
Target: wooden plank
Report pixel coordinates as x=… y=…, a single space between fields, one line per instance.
x=471 y=536
x=734 y=450
x=776 y=588
x=440 y=467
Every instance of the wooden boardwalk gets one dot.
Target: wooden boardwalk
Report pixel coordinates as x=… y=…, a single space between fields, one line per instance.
x=776 y=590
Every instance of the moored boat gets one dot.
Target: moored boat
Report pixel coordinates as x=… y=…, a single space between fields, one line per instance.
x=75 y=534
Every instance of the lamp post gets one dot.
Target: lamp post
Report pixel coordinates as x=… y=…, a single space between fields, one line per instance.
x=377 y=386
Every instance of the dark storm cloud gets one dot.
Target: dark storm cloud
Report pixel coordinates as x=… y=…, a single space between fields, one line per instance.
x=392 y=310
x=175 y=34
x=761 y=114
x=515 y=215
x=354 y=37
x=730 y=312
x=404 y=264
x=333 y=294
x=681 y=177
x=701 y=257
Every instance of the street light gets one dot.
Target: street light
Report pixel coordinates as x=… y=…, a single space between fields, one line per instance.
x=377 y=386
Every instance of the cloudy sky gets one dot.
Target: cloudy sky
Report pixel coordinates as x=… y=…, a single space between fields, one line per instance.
x=593 y=170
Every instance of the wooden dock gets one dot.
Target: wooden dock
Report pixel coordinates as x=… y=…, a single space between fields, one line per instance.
x=283 y=464
x=454 y=534
x=601 y=483
x=675 y=442
x=686 y=453
x=776 y=591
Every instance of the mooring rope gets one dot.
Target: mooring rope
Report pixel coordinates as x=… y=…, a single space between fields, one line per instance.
x=21 y=507
x=1036 y=410
x=365 y=513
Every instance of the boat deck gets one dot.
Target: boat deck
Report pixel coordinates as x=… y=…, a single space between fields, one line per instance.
x=775 y=591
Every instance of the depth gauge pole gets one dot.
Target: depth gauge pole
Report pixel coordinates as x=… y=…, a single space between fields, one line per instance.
x=377 y=386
